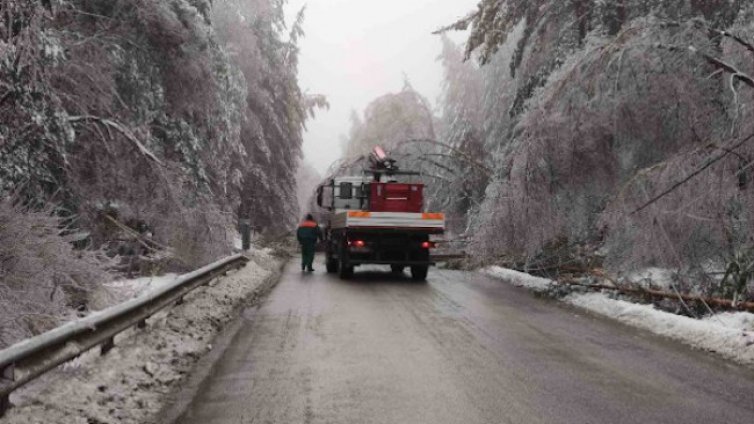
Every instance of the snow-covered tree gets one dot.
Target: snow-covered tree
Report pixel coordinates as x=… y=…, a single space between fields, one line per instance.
x=461 y=156
x=390 y=120
x=611 y=106
x=152 y=121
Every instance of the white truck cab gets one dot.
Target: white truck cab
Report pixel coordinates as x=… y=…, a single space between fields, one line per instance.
x=346 y=193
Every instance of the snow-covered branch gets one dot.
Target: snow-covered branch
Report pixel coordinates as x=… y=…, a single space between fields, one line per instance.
x=121 y=129
x=461 y=154
x=724 y=66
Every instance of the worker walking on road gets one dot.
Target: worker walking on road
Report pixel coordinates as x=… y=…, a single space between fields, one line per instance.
x=308 y=234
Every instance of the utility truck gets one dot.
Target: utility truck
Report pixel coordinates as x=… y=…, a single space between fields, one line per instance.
x=374 y=218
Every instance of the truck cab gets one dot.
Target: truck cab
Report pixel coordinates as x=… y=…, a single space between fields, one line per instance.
x=344 y=193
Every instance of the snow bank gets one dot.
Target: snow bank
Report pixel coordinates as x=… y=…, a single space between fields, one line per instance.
x=712 y=334
x=128 y=289
x=740 y=320
x=729 y=334
x=130 y=384
x=519 y=279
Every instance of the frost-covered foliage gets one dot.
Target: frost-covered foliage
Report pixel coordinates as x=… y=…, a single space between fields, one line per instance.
x=149 y=111
x=401 y=123
x=460 y=154
x=41 y=275
x=151 y=125
x=275 y=111
x=596 y=114
x=389 y=121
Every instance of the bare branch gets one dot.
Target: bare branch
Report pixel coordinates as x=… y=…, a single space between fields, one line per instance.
x=482 y=167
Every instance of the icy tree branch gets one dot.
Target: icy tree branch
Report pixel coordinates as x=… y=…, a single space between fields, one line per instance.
x=726 y=67
x=121 y=129
x=709 y=162
x=482 y=167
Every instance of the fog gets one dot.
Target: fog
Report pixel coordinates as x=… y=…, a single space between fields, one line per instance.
x=357 y=50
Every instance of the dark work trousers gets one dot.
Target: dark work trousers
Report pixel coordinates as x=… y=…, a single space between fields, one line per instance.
x=307 y=255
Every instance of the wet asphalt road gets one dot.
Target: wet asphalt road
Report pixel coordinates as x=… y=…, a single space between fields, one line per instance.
x=461 y=348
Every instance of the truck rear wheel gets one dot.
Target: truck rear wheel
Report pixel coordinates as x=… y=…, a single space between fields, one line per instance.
x=419 y=272
x=345 y=271
x=331 y=264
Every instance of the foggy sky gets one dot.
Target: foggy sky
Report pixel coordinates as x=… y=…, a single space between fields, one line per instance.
x=357 y=50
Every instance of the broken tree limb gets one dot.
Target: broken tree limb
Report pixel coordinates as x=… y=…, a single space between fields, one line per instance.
x=727 y=34
x=614 y=285
x=121 y=129
x=139 y=238
x=462 y=155
x=424 y=158
x=714 y=301
x=727 y=67
x=715 y=62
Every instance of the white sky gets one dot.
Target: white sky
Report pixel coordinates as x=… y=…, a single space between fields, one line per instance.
x=357 y=50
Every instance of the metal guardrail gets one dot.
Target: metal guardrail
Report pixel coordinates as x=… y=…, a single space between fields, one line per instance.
x=27 y=360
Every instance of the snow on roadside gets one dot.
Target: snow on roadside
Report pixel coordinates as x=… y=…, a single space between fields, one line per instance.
x=708 y=334
x=740 y=320
x=129 y=385
x=519 y=279
x=128 y=289
x=730 y=334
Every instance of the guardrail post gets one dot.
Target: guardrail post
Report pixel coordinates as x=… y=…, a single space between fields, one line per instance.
x=107 y=346
x=245 y=228
x=142 y=324
x=179 y=301
x=8 y=374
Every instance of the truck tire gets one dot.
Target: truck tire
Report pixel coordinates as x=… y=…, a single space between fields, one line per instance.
x=345 y=271
x=396 y=269
x=419 y=272
x=331 y=264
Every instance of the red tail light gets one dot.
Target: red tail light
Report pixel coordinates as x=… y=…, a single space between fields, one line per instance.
x=428 y=245
x=357 y=243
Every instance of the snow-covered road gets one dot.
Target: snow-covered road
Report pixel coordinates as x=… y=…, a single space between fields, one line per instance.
x=462 y=348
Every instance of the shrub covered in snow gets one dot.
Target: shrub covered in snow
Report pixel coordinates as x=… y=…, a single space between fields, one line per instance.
x=41 y=275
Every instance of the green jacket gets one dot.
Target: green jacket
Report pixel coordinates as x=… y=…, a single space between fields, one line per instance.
x=308 y=233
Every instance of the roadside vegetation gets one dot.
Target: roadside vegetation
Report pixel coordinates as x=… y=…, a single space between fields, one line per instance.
x=133 y=135
x=592 y=138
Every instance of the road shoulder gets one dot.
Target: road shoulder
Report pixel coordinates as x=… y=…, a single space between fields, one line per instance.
x=727 y=335
x=135 y=380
